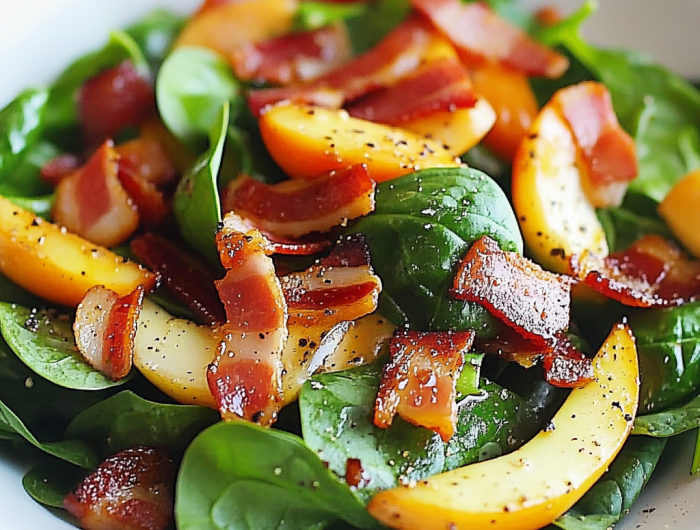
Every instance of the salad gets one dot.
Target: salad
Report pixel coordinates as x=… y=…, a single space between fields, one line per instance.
x=305 y=265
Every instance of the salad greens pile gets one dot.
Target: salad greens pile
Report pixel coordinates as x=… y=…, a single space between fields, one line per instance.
x=239 y=475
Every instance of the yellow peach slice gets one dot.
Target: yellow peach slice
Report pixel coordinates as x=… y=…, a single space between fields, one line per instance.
x=681 y=210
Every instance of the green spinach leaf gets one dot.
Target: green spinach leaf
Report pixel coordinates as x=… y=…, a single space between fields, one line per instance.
x=422 y=226
x=232 y=470
x=671 y=421
x=25 y=180
x=375 y=22
x=44 y=341
x=623 y=227
x=50 y=482
x=313 y=15
x=155 y=33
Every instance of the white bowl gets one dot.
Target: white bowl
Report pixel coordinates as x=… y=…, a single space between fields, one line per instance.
x=39 y=37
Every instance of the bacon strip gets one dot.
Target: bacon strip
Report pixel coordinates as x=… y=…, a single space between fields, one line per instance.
x=534 y=302
x=297 y=207
x=53 y=171
x=92 y=202
x=245 y=377
x=294 y=57
x=419 y=382
x=105 y=328
x=147 y=158
x=185 y=278
x=480 y=35
x=608 y=152
x=439 y=85
x=652 y=272
x=131 y=490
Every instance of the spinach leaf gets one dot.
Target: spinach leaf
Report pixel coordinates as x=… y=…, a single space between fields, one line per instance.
x=192 y=85
x=13 y=293
x=671 y=421
x=376 y=20
x=668 y=344
x=337 y=421
x=126 y=420
x=232 y=470
x=613 y=495
x=21 y=125
x=623 y=227
x=25 y=180
x=155 y=33
x=196 y=204
x=50 y=482
x=422 y=226
x=695 y=464
x=44 y=341
x=314 y=15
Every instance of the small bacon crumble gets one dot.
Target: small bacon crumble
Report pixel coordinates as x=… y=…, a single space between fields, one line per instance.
x=534 y=302
x=131 y=490
x=184 y=277
x=245 y=377
x=293 y=58
x=607 y=151
x=53 y=171
x=480 y=35
x=105 y=328
x=436 y=86
x=653 y=272
x=298 y=207
x=340 y=287
x=419 y=382
x=116 y=98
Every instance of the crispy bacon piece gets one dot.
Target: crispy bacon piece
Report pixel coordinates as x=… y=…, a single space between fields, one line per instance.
x=57 y=168
x=438 y=85
x=607 y=151
x=131 y=490
x=480 y=35
x=116 y=98
x=105 y=328
x=298 y=207
x=652 y=272
x=419 y=383
x=187 y=279
x=261 y=100
x=534 y=302
x=147 y=158
x=245 y=377
x=294 y=57
x=339 y=287
x=93 y=203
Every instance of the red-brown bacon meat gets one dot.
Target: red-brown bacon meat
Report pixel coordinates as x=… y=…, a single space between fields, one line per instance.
x=245 y=377
x=438 y=85
x=481 y=35
x=105 y=328
x=131 y=490
x=419 y=382
x=298 y=207
x=652 y=272
x=534 y=302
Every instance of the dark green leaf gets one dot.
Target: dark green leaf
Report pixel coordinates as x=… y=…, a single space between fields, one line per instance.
x=50 y=482
x=671 y=421
x=375 y=21
x=126 y=420
x=25 y=180
x=431 y=217
x=13 y=293
x=232 y=471
x=695 y=465
x=44 y=341
x=623 y=227
x=155 y=33
x=314 y=15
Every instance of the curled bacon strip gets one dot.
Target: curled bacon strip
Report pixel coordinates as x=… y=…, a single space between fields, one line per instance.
x=481 y=35
x=419 y=382
x=245 y=377
x=534 y=302
x=105 y=328
x=298 y=207
x=53 y=171
x=652 y=272
x=293 y=57
x=131 y=490
x=339 y=287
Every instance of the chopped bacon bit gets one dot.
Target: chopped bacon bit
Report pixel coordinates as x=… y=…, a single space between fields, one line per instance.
x=149 y=201
x=534 y=302
x=131 y=490
x=607 y=151
x=566 y=367
x=116 y=98
x=261 y=100
x=293 y=58
x=480 y=35
x=438 y=85
x=355 y=476
x=147 y=158
x=245 y=377
x=652 y=272
x=419 y=382
x=510 y=346
x=187 y=279
x=93 y=204
x=298 y=207
x=57 y=168
x=105 y=328
x=338 y=288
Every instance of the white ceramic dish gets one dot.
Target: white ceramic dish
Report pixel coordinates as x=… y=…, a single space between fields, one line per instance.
x=39 y=37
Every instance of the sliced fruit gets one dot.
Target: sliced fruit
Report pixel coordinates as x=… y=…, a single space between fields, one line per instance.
x=680 y=210
x=530 y=487
x=59 y=266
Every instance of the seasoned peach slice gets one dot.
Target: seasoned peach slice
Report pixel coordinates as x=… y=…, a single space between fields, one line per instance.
x=681 y=210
